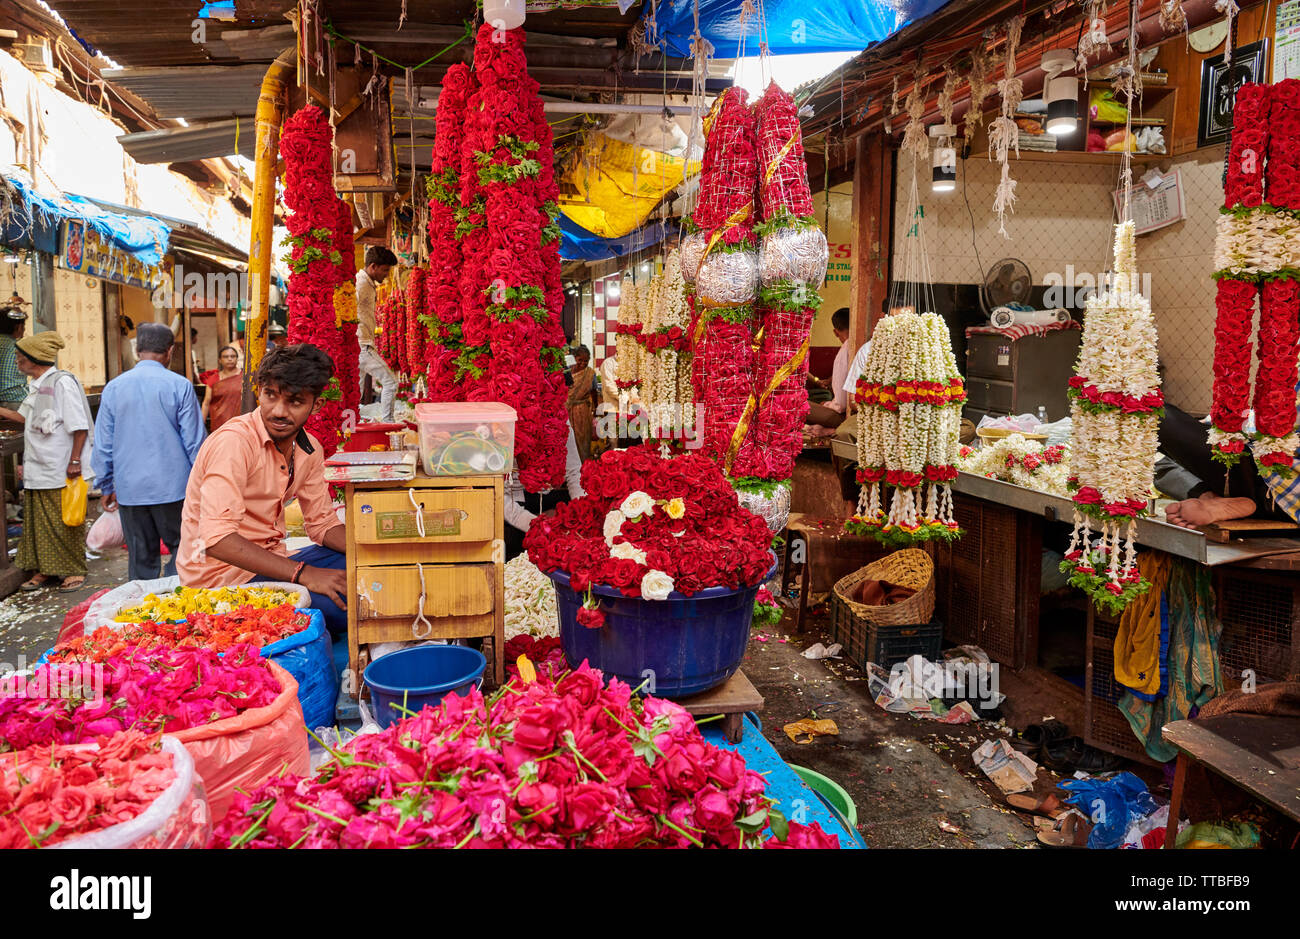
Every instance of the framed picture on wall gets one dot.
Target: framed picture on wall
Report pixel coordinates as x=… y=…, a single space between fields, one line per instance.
x=1219 y=84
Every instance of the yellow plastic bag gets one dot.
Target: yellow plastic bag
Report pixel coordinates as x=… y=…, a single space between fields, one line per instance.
x=75 y=492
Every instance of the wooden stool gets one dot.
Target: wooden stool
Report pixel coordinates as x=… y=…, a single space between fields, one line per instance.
x=813 y=530
x=731 y=699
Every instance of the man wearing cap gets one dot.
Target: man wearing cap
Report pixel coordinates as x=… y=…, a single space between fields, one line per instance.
x=379 y=262
x=147 y=435
x=56 y=429
x=278 y=336
x=13 y=383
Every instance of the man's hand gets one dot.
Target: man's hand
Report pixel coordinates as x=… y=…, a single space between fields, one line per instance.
x=326 y=582
x=109 y=502
x=74 y=469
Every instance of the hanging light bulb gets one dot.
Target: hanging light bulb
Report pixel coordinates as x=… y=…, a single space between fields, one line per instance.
x=1061 y=92
x=943 y=159
x=503 y=14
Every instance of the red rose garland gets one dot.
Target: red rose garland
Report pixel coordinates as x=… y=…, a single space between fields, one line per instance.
x=510 y=278
x=1261 y=202
x=442 y=299
x=321 y=261
x=416 y=327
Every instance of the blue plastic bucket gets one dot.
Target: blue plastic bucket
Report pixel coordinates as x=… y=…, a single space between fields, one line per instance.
x=413 y=679
x=684 y=645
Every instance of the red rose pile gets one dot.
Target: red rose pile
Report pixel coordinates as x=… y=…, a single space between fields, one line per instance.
x=322 y=260
x=643 y=514
x=146 y=689
x=217 y=632
x=545 y=654
x=49 y=794
x=569 y=764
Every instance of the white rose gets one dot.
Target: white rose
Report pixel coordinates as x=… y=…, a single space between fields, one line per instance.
x=613 y=526
x=638 y=503
x=656 y=585
x=629 y=551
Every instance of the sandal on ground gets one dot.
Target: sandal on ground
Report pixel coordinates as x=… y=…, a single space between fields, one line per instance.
x=1048 y=806
x=1070 y=832
x=1033 y=738
x=35 y=583
x=1070 y=754
x=72 y=584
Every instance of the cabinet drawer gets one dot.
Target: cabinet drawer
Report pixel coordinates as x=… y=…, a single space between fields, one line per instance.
x=985 y=395
x=449 y=590
x=387 y=517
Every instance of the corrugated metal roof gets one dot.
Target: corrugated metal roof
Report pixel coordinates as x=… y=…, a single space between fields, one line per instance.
x=196 y=92
x=200 y=142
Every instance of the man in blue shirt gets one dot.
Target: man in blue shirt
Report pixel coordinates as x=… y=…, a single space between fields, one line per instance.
x=147 y=434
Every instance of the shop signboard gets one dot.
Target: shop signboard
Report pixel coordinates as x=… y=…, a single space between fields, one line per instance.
x=86 y=252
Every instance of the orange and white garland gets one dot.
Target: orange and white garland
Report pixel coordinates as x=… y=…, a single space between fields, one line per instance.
x=909 y=413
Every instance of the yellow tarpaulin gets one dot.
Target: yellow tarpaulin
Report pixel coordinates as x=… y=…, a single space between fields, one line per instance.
x=612 y=187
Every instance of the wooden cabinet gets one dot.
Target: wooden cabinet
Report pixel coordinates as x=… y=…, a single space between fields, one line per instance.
x=430 y=548
x=1016 y=376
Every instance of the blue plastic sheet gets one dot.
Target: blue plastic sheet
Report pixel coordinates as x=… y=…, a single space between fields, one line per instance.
x=1111 y=804
x=578 y=244
x=309 y=657
x=143 y=236
x=793 y=26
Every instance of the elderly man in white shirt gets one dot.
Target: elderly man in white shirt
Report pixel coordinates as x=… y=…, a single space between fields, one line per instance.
x=379 y=262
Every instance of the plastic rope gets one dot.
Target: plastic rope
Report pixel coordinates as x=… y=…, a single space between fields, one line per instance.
x=419 y=610
x=419 y=522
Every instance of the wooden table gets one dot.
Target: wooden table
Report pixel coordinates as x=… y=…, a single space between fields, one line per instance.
x=1256 y=753
x=452 y=554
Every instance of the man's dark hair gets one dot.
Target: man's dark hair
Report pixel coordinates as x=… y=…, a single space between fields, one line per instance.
x=840 y=319
x=303 y=367
x=9 y=326
x=154 y=337
x=378 y=254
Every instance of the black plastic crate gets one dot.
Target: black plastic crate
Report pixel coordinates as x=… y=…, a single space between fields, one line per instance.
x=883 y=645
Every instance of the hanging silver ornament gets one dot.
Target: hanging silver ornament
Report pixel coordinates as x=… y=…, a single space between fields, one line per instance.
x=794 y=254
x=728 y=279
x=773 y=509
x=692 y=252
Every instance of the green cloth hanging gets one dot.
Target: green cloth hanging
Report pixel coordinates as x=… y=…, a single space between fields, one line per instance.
x=1194 y=676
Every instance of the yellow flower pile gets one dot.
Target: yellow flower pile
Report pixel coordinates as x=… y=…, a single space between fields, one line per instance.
x=176 y=606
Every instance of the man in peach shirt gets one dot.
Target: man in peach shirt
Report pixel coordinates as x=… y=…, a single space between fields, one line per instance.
x=232 y=528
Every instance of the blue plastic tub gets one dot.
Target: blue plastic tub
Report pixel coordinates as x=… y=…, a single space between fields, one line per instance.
x=683 y=645
x=416 y=678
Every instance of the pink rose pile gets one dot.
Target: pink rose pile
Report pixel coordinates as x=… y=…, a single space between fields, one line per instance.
x=565 y=764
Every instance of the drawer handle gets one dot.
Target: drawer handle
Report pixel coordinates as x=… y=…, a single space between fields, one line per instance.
x=419 y=527
x=419 y=610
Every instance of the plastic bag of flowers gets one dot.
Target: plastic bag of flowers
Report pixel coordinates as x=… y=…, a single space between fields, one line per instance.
x=131 y=790
x=564 y=764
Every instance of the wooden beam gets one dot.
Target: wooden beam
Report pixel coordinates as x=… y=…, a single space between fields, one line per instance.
x=873 y=222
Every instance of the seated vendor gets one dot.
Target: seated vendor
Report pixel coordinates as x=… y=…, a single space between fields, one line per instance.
x=522 y=507
x=1200 y=479
x=232 y=527
x=832 y=413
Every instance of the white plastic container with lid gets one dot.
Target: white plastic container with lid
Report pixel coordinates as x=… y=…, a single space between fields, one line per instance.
x=470 y=438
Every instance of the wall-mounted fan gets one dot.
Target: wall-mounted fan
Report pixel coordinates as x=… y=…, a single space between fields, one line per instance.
x=1007 y=282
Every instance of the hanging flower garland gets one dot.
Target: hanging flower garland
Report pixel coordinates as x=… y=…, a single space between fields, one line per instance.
x=793 y=256
x=322 y=263
x=1257 y=254
x=1113 y=440
x=627 y=333
x=667 y=365
x=510 y=283
x=442 y=308
x=417 y=329
x=909 y=413
x=721 y=262
x=1004 y=133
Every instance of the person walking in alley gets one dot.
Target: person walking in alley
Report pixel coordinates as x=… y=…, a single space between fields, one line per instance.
x=56 y=429
x=379 y=262
x=147 y=435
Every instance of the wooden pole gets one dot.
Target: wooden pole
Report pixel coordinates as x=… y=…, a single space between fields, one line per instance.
x=873 y=222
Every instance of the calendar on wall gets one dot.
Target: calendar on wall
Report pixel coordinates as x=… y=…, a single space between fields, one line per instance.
x=1155 y=207
x=1286 y=41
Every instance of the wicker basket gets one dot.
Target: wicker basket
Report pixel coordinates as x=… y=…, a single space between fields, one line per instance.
x=910 y=567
